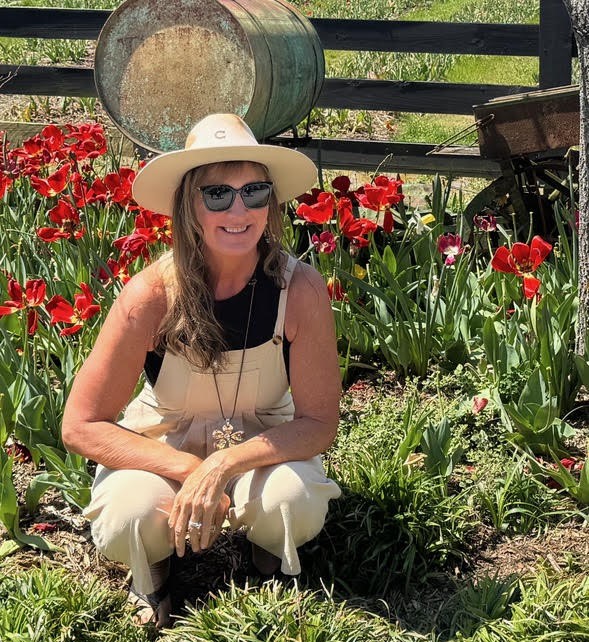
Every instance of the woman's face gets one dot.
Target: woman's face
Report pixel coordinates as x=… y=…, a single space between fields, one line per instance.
x=236 y=231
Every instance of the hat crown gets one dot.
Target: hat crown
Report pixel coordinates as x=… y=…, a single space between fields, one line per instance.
x=220 y=130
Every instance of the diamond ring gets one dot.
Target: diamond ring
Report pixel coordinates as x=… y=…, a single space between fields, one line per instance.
x=196 y=525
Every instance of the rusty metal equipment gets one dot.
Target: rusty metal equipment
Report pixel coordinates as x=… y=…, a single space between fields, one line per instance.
x=161 y=65
x=533 y=136
x=522 y=124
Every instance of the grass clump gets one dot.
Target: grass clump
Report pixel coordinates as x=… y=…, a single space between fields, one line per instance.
x=274 y=612
x=48 y=605
x=551 y=607
x=397 y=520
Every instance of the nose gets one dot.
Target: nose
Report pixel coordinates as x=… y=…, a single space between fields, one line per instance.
x=238 y=206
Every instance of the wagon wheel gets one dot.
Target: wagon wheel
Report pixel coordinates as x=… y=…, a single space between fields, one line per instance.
x=526 y=193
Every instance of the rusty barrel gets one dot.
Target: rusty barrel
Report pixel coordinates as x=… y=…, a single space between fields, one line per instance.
x=161 y=65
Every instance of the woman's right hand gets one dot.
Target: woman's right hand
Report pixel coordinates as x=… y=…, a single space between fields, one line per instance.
x=202 y=500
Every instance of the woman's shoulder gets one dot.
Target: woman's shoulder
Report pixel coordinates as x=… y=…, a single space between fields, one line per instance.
x=144 y=296
x=307 y=298
x=306 y=282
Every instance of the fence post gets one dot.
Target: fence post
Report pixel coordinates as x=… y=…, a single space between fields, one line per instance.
x=556 y=42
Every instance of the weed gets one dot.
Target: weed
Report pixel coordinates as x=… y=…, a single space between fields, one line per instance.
x=516 y=502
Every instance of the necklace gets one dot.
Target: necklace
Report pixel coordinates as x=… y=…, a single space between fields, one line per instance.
x=227 y=436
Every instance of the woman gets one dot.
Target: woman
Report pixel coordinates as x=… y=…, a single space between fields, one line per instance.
x=237 y=342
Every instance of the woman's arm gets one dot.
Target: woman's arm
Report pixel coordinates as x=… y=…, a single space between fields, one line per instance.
x=106 y=381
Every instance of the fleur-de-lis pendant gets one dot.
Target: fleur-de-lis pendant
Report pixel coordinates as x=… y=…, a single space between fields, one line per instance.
x=227 y=436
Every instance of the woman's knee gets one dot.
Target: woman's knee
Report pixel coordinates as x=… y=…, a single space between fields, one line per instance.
x=289 y=497
x=123 y=513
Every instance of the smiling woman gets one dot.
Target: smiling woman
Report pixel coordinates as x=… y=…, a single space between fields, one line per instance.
x=236 y=339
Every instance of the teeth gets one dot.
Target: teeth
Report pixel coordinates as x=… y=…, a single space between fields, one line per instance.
x=235 y=230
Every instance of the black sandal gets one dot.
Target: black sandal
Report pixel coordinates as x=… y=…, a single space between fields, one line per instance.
x=152 y=601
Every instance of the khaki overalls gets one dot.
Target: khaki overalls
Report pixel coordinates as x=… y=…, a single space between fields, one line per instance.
x=282 y=506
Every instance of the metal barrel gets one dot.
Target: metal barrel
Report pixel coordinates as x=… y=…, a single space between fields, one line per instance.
x=162 y=65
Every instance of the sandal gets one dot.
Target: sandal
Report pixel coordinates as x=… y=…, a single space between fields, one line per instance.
x=154 y=608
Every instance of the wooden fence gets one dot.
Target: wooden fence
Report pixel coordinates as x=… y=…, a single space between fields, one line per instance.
x=551 y=41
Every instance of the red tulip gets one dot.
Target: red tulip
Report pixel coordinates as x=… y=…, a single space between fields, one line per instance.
x=65 y=215
x=132 y=246
x=522 y=260
x=88 y=141
x=32 y=297
x=352 y=228
x=5 y=183
x=156 y=227
x=341 y=186
x=118 y=270
x=62 y=311
x=321 y=212
x=119 y=185
x=335 y=289
x=382 y=195
x=388 y=222
x=310 y=198
x=324 y=242
x=53 y=184
x=451 y=246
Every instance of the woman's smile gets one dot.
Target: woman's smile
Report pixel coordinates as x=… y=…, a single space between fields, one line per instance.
x=235 y=230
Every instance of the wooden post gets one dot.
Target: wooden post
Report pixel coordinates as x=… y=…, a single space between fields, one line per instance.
x=556 y=43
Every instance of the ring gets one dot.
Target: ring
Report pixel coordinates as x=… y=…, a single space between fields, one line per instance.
x=196 y=525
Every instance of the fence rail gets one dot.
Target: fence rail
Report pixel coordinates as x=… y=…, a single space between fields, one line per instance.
x=551 y=41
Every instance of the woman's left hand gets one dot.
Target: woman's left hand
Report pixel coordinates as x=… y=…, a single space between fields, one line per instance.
x=201 y=500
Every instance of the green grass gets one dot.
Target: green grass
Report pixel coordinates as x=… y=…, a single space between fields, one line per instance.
x=495 y=70
x=275 y=612
x=434 y=128
x=50 y=605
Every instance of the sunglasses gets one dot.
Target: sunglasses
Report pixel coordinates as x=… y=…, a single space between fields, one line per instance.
x=219 y=198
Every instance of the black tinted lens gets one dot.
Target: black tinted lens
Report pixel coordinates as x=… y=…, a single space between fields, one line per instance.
x=256 y=195
x=218 y=197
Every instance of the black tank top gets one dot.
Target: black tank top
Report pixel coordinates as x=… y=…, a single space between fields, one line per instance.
x=232 y=314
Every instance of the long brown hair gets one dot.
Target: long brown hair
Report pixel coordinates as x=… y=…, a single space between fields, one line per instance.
x=189 y=327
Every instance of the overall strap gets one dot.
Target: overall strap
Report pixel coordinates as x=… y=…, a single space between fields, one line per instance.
x=279 y=327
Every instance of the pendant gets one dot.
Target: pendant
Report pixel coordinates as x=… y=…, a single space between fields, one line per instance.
x=227 y=436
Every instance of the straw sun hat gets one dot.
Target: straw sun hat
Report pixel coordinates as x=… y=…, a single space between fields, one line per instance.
x=214 y=139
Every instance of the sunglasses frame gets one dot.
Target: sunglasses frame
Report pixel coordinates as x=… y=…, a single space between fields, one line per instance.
x=234 y=192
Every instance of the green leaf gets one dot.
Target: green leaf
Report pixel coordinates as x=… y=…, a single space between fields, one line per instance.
x=30 y=426
x=38 y=486
x=583 y=488
x=389 y=260
x=9 y=547
x=8 y=502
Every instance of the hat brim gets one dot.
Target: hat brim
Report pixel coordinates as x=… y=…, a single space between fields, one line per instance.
x=155 y=184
